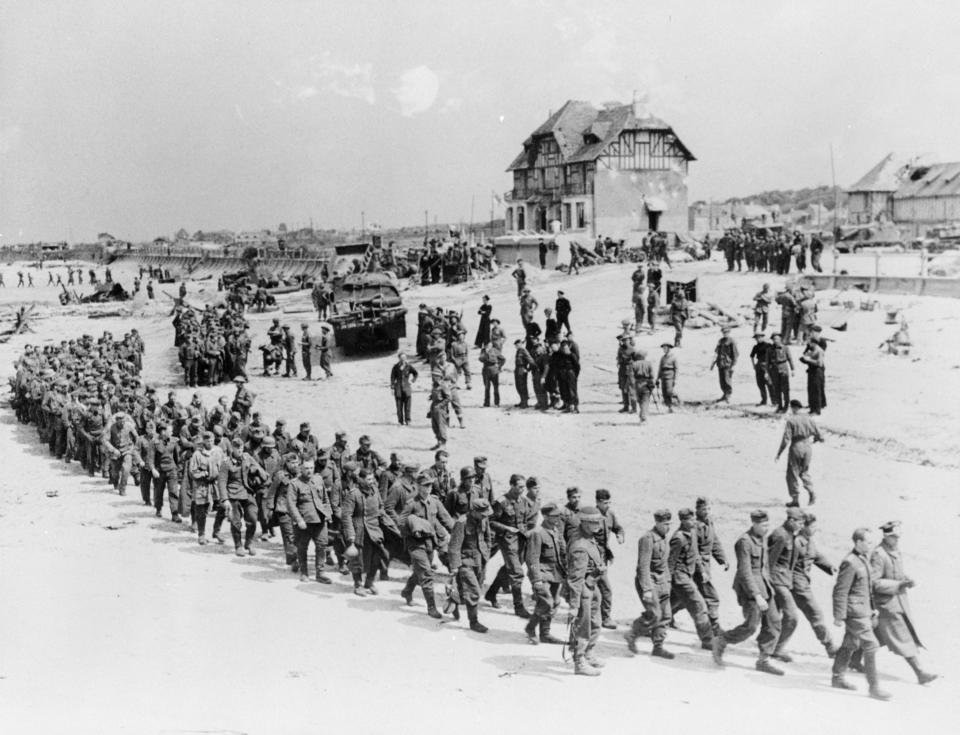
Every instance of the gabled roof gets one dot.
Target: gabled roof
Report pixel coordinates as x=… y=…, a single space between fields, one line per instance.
x=937 y=180
x=582 y=132
x=882 y=177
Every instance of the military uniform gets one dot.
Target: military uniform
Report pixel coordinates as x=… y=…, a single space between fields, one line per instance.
x=584 y=565
x=421 y=543
x=507 y=519
x=683 y=563
x=309 y=506
x=546 y=557
x=652 y=582
x=799 y=433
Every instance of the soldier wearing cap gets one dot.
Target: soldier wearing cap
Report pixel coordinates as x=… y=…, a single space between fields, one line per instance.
x=458 y=500
x=339 y=452
x=468 y=554
x=684 y=563
x=334 y=488
x=235 y=465
x=325 y=350
x=760 y=359
x=243 y=400
x=546 y=555
x=401 y=490
x=289 y=351
x=854 y=609
x=779 y=369
x=653 y=585
x=708 y=545
x=306 y=351
x=508 y=512
x=584 y=564
x=755 y=595
x=799 y=433
x=421 y=522
x=808 y=556
x=439 y=413
x=784 y=557
x=641 y=376
x=609 y=526
x=725 y=358
x=895 y=629
x=628 y=393
x=522 y=365
x=667 y=376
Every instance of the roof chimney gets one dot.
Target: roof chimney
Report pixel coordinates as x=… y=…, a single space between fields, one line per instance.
x=639 y=105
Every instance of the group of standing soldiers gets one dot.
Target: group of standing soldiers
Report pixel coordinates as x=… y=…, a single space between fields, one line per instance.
x=283 y=346
x=212 y=345
x=770 y=252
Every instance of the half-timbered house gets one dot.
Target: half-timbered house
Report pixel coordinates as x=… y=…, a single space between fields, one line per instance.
x=601 y=172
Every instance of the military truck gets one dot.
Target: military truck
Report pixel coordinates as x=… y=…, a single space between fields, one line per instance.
x=368 y=313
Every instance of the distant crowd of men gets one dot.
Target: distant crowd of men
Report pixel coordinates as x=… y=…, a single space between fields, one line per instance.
x=770 y=251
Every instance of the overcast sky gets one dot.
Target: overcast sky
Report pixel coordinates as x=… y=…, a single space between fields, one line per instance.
x=140 y=118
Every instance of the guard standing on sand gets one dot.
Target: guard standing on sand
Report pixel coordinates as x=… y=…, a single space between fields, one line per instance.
x=759 y=357
x=584 y=565
x=679 y=313
x=799 y=433
x=439 y=414
x=306 y=348
x=402 y=377
x=725 y=360
x=667 y=376
x=755 y=595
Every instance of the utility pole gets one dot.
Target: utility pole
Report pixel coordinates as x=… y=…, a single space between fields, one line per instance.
x=363 y=225
x=426 y=228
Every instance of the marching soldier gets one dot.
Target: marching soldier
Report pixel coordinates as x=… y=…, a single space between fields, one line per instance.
x=895 y=630
x=784 y=557
x=310 y=507
x=364 y=521
x=584 y=565
x=683 y=562
x=653 y=585
x=421 y=523
x=546 y=566
x=609 y=526
x=641 y=376
x=508 y=513
x=854 y=610
x=469 y=552
x=755 y=595
x=808 y=556
x=708 y=544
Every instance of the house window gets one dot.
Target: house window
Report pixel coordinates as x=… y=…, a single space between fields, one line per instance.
x=509 y=218
x=566 y=216
x=520 y=218
x=581 y=216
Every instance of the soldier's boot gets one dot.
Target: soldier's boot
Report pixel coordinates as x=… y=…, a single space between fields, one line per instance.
x=763 y=664
x=249 y=534
x=237 y=544
x=631 y=638
x=870 y=667
x=782 y=656
x=856 y=661
x=582 y=668
x=407 y=594
x=432 y=605
x=358 y=588
x=545 y=635
x=491 y=594
x=660 y=652
x=830 y=649
x=923 y=677
x=475 y=625
x=719 y=645
x=531 y=630
x=518 y=607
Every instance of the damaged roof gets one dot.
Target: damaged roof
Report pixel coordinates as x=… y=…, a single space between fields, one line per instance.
x=936 y=180
x=582 y=132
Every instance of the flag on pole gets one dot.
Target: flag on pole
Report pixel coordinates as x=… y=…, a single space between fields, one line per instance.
x=497 y=197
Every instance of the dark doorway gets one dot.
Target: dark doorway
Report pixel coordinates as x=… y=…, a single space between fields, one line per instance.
x=653 y=220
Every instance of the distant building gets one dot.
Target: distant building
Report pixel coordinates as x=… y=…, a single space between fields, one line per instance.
x=604 y=172
x=870 y=199
x=105 y=238
x=256 y=239
x=913 y=194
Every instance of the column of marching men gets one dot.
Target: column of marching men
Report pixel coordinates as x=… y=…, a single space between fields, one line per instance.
x=362 y=512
